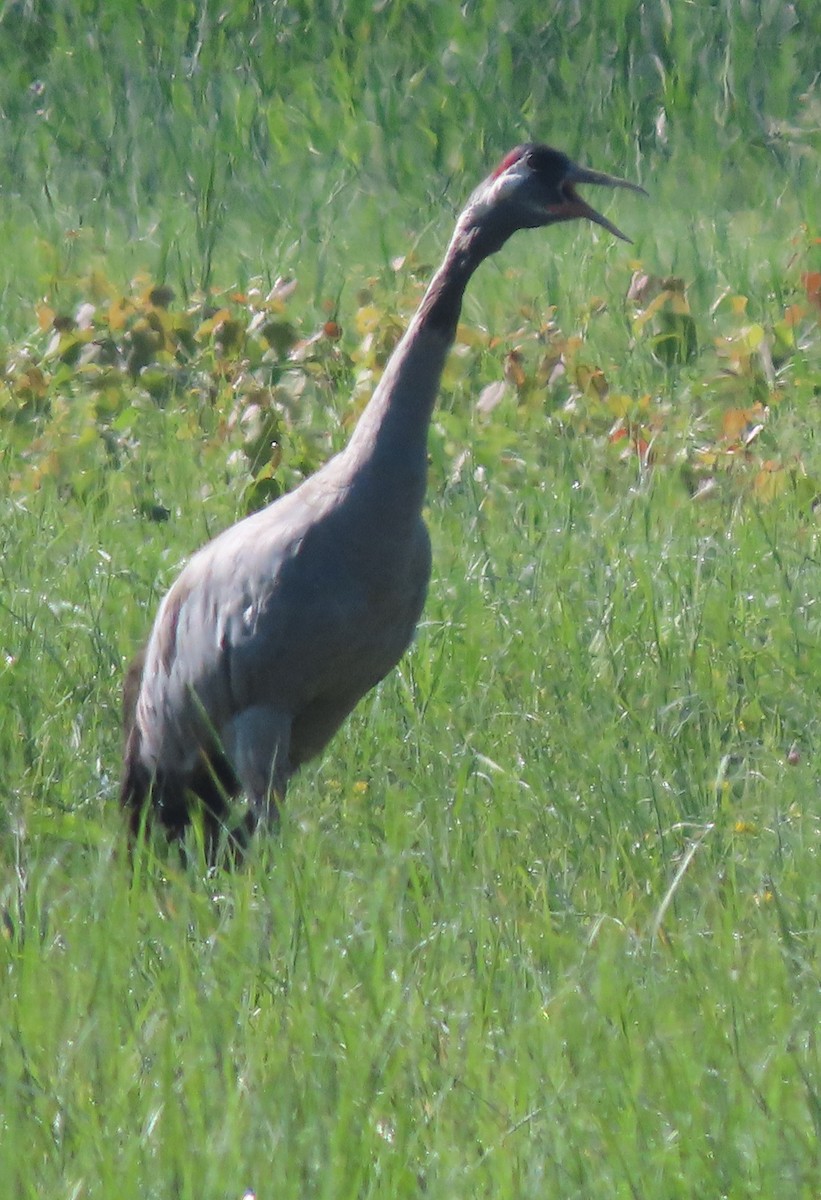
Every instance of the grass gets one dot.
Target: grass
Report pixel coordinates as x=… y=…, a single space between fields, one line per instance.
x=543 y=920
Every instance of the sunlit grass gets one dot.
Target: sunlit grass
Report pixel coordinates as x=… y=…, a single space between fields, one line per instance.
x=543 y=920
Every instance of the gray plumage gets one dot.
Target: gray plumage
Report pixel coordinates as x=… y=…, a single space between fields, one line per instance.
x=275 y=630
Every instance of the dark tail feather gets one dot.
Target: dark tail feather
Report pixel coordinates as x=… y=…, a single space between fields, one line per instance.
x=142 y=795
x=165 y=799
x=135 y=789
x=169 y=801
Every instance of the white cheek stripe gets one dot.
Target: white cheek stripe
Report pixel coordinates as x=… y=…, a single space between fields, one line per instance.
x=488 y=197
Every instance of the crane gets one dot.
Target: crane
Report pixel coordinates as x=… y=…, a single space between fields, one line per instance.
x=274 y=630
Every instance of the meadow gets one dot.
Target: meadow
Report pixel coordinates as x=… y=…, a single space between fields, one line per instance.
x=543 y=920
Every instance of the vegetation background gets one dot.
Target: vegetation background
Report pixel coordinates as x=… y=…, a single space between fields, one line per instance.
x=543 y=921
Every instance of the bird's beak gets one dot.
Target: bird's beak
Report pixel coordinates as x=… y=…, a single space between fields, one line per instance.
x=574 y=206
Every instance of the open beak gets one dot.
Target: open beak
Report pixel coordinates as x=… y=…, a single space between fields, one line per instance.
x=574 y=206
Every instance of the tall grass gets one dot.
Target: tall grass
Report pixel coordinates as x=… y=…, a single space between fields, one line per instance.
x=186 y=139
x=543 y=920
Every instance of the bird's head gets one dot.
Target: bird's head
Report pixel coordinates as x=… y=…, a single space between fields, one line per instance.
x=532 y=186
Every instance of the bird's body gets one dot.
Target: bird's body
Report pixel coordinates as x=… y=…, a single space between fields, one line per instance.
x=275 y=630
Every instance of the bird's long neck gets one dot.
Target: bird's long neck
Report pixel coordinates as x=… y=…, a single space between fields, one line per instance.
x=389 y=444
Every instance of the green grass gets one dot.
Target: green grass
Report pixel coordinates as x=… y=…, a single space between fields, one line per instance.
x=543 y=920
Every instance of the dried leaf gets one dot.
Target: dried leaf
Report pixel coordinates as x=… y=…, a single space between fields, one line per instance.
x=491 y=397
x=45 y=315
x=812 y=286
x=514 y=369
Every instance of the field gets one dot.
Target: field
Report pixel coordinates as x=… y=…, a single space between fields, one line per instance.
x=543 y=921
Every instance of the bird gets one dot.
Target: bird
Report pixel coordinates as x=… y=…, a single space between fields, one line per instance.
x=276 y=629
